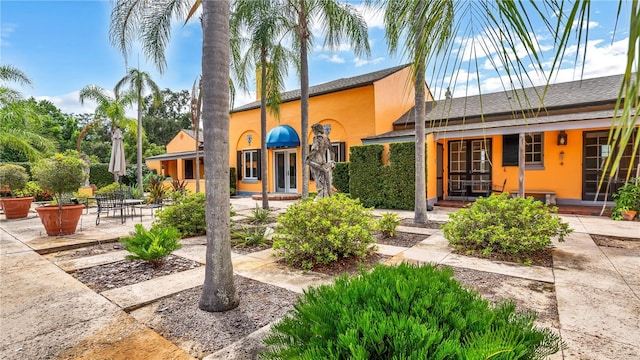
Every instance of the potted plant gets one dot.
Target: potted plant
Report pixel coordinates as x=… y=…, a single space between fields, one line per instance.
x=13 y=178
x=627 y=199
x=60 y=174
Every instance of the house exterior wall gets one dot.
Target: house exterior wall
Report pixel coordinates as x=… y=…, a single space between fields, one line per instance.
x=393 y=96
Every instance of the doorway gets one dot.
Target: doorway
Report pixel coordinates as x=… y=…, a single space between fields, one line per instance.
x=469 y=167
x=286 y=179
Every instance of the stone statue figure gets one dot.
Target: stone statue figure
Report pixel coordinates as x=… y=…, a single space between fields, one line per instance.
x=86 y=168
x=321 y=167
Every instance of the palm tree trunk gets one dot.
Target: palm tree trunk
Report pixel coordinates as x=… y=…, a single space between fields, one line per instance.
x=420 y=207
x=304 y=97
x=197 y=159
x=263 y=128
x=139 y=163
x=219 y=292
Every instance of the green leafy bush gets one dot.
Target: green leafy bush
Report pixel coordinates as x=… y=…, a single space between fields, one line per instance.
x=151 y=245
x=232 y=181
x=33 y=189
x=627 y=198
x=388 y=223
x=323 y=231
x=500 y=225
x=365 y=174
x=187 y=214
x=244 y=236
x=100 y=175
x=114 y=186
x=13 y=176
x=405 y=312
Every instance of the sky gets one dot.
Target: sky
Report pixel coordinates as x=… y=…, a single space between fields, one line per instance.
x=64 y=46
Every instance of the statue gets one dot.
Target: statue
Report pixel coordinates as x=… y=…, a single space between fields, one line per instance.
x=321 y=168
x=86 y=168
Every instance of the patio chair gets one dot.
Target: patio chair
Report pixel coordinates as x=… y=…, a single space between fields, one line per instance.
x=497 y=189
x=111 y=202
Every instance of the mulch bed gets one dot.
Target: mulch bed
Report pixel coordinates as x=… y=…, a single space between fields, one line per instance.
x=540 y=258
x=249 y=249
x=351 y=265
x=126 y=272
x=402 y=239
x=617 y=242
x=86 y=251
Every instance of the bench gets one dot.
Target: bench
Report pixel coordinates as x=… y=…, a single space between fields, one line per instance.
x=549 y=196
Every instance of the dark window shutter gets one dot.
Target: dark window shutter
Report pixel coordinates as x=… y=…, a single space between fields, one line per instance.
x=343 y=155
x=259 y=154
x=510 y=150
x=240 y=166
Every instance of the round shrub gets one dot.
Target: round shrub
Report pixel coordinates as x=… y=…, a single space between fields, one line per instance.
x=187 y=215
x=405 y=312
x=322 y=231
x=13 y=176
x=500 y=225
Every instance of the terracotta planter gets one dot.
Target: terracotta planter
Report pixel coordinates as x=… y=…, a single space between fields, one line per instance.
x=51 y=218
x=16 y=208
x=628 y=215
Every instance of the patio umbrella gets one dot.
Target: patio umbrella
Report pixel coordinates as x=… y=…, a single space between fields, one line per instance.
x=117 y=163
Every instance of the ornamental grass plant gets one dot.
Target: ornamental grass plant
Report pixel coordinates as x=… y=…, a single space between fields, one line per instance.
x=405 y=312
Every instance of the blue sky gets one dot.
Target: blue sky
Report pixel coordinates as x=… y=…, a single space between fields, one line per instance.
x=64 y=45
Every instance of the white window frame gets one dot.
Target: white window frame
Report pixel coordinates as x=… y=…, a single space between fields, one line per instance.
x=253 y=157
x=533 y=139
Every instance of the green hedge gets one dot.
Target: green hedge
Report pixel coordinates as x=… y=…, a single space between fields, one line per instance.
x=341 y=177
x=365 y=173
x=388 y=187
x=232 y=180
x=100 y=175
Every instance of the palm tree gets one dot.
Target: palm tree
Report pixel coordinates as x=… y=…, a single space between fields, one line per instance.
x=151 y=22
x=195 y=111
x=218 y=293
x=16 y=117
x=138 y=82
x=9 y=73
x=427 y=25
x=340 y=22
x=109 y=108
x=263 y=20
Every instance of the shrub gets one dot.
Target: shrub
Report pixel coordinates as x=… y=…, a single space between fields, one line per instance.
x=260 y=216
x=187 y=214
x=627 y=198
x=13 y=176
x=365 y=174
x=115 y=186
x=244 y=236
x=151 y=245
x=232 y=181
x=33 y=189
x=500 y=225
x=388 y=223
x=405 y=312
x=322 y=231
x=100 y=175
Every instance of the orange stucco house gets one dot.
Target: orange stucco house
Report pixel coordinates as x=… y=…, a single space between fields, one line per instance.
x=472 y=142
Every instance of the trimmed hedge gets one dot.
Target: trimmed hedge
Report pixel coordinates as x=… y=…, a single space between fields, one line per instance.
x=388 y=187
x=365 y=174
x=99 y=175
x=341 y=177
x=232 y=180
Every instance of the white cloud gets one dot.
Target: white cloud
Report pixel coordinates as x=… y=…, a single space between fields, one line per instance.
x=339 y=48
x=587 y=25
x=243 y=98
x=5 y=33
x=362 y=62
x=70 y=103
x=333 y=58
x=372 y=16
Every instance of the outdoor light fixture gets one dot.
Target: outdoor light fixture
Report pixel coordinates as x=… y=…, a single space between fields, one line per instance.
x=249 y=138
x=561 y=157
x=562 y=138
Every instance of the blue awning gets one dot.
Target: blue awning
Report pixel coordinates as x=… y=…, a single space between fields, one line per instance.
x=282 y=136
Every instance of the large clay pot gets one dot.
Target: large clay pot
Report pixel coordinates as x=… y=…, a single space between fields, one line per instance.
x=16 y=208
x=51 y=216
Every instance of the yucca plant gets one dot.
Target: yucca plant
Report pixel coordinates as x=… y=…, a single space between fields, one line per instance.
x=244 y=236
x=260 y=216
x=152 y=245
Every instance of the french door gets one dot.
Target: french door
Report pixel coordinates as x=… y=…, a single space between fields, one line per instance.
x=286 y=179
x=596 y=152
x=469 y=167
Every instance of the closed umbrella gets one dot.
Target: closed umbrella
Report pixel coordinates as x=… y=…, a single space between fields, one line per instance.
x=117 y=163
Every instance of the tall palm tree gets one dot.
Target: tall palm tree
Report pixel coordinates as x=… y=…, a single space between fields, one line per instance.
x=109 y=108
x=427 y=26
x=150 y=21
x=139 y=82
x=339 y=22
x=218 y=293
x=265 y=25
x=196 y=110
